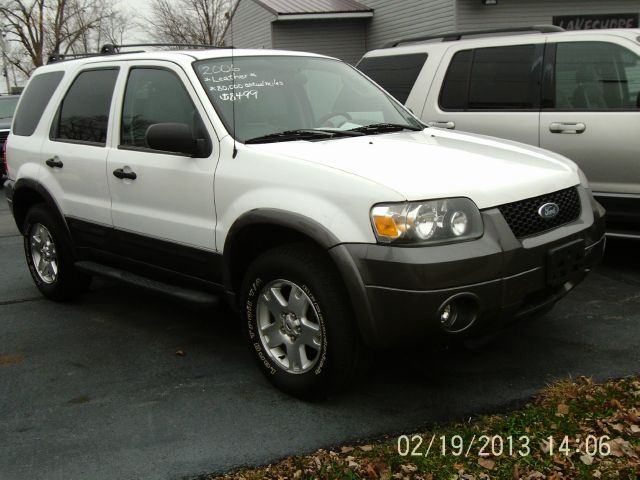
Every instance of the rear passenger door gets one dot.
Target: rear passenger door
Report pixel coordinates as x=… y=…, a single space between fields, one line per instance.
x=75 y=150
x=490 y=90
x=165 y=216
x=591 y=112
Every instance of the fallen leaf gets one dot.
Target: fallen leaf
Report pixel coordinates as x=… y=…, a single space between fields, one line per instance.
x=297 y=475
x=346 y=449
x=544 y=446
x=366 y=448
x=486 y=463
x=353 y=464
x=516 y=472
x=596 y=474
x=408 y=468
x=563 y=409
x=618 y=427
x=586 y=459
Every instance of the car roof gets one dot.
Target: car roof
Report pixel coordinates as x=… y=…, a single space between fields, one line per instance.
x=176 y=56
x=498 y=39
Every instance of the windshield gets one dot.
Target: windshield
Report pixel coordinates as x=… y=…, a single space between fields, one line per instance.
x=8 y=106
x=288 y=94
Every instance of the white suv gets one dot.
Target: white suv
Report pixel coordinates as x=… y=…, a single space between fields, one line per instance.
x=326 y=213
x=575 y=93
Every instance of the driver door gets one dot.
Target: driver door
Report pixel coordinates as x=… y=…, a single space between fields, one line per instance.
x=163 y=209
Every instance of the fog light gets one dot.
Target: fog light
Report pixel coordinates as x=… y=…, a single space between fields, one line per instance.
x=448 y=315
x=459 y=312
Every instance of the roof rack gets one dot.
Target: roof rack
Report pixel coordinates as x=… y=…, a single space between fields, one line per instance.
x=111 y=49
x=454 y=36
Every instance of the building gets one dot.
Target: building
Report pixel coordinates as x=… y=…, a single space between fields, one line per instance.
x=348 y=28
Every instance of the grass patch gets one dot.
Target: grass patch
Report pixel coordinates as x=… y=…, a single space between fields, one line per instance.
x=571 y=430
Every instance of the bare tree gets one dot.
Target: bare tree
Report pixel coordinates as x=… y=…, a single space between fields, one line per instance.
x=189 y=21
x=43 y=27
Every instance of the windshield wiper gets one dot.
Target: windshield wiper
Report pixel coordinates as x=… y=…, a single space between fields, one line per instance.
x=385 y=128
x=302 y=134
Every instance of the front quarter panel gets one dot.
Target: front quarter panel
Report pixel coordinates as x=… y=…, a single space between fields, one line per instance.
x=339 y=201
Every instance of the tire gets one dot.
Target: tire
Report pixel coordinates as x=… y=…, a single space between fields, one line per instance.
x=46 y=240
x=329 y=350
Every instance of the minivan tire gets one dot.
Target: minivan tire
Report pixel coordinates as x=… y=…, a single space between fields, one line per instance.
x=50 y=258
x=310 y=315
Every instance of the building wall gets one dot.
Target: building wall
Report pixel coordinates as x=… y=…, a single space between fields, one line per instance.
x=344 y=39
x=251 y=26
x=397 y=19
x=472 y=15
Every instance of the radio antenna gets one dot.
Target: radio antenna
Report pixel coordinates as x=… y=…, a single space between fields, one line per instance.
x=233 y=90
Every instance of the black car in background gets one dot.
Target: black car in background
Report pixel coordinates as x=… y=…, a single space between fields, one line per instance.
x=7 y=108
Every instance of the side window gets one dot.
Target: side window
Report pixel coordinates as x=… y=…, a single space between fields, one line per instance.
x=34 y=100
x=396 y=74
x=83 y=115
x=596 y=76
x=154 y=96
x=496 y=78
x=455 y=89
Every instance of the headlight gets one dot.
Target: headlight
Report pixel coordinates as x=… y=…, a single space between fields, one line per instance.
x=432 y=221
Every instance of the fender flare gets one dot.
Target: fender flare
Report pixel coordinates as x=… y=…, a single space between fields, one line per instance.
x=37 y=187
x=274 y=217
x=339 y=256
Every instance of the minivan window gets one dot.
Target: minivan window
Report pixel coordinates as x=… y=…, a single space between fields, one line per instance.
x=152 y=96
x=397 y=74
x=35 y=99
x=596 y=76
x=495 y=78
x=83 y=115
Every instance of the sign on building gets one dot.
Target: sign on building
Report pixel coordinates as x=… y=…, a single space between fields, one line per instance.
x=591 y=22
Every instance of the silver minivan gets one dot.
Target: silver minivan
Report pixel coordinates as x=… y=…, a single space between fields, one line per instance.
x=576 y=93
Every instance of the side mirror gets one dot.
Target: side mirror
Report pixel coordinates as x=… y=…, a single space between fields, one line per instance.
x=172 y=137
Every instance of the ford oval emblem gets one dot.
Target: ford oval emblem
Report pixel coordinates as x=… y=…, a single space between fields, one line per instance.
x=549 y=211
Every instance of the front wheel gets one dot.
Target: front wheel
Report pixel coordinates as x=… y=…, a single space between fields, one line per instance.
x=50 y=256
x=299 y=322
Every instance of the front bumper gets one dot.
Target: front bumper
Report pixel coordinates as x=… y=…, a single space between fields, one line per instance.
x=399 y=292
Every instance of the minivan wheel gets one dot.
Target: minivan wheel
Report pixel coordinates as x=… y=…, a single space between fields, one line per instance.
x=299 y=322
x=50 y=257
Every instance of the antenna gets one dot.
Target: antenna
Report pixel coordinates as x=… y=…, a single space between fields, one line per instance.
x=233 y=91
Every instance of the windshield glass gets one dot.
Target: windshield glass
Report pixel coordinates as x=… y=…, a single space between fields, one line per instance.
x=8 y=106
x=275 y=94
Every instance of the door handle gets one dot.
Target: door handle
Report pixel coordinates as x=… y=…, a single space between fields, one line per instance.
x=443 y=124
x=120 y=173
x=54 y=163
x=560 y=127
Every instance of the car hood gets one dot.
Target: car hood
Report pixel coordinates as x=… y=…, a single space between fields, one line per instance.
x=436 y=163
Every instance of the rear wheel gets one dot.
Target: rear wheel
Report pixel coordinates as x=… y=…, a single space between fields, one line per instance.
x=299 y=322
x=50 y=256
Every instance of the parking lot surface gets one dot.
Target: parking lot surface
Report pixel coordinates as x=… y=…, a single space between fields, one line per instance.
x=94 y=389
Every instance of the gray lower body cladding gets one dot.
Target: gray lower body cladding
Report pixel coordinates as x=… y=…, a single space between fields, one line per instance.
x=400 y=294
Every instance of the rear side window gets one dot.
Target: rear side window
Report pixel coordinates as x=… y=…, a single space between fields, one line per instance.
x=83 y=115
x=35 y=99
x=497 y=78
x=595 y=76
x=396 y=74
